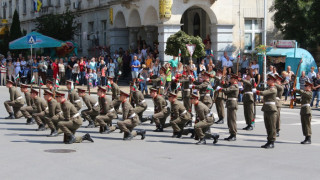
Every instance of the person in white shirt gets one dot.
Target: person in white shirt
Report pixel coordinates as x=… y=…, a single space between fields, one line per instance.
x=3 y=71
x=312 y=74
x=255 y=65
x=227 y=62
x=225 y=57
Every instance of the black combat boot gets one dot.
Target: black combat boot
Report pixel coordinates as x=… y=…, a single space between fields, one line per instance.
x=142 y=133
x=175 y=134
x=106 y=129
x=192 y=131
x=189 y=123
x=278 y=133
x=201 y=141
x=91 y=124
x=307 y=140
x=129 y=137
x=268 y=145
x=71 y=139
x=220 y=121
x=231 y=138
x=179 y=135
x=11 y=116
x=41 y=127
x=246 y=128
x=157 y=129
x=54 y=133
x=215 y=138
x=87 y=137
x=28 y=121
x=84 y=118
x=32 y=121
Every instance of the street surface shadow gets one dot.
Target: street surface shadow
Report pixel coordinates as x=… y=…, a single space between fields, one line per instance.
x=44 y=142
x=237 y=146
x=244 y=134
x=276 y=142
x=106 y=138
x=12 y=123
x=220 y=127
x=19 y=129
x=156 y=135
x=34 y=135
x=174 y=142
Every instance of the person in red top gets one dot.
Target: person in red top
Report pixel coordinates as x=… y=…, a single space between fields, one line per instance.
x=55 y=68
x=82 y=67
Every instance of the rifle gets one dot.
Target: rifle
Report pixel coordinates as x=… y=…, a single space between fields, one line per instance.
x=294 y=85
x=254 y=101
x=224 y=72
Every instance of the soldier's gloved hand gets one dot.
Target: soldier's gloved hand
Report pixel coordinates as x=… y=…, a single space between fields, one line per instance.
x=148 y=79
x=173 y=78
x=190 y=86
x=218 y=88
x=254 y=90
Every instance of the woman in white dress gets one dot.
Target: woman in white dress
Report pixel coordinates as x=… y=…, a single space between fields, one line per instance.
x=17 y=66
x=111 y=67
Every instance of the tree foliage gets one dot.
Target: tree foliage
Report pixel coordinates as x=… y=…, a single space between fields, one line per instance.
x=15 y=29
x=298 y=20
x=179 y=40
x=59 y=26
x=4 y=42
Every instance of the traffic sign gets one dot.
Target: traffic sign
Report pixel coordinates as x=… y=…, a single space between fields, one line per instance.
x=31 y=39
x=191 y=48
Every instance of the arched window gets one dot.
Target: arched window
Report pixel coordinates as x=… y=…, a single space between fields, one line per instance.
x=196 y=25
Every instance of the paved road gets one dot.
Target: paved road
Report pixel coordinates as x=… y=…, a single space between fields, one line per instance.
x=24 y=155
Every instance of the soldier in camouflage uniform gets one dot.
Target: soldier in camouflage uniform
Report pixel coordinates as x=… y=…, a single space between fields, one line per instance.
x=16 y=102
x=49 y=85
x=270 y=110
x=305 y=112
x=248 y=102
x=71 y=121
x=115 y=94
x=40 y=109
x=204 y=90
x=219 y=98
x=73 y=96
x=139 y=101
x=160 y=81
x=161 y=110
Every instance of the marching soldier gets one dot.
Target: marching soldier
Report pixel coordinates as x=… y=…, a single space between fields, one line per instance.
x=158 y=82
x=232 y=93
x=205 y=97
x=130 y=119
x=49 y=85
x=71 y=122
x=92 y=105
x=115 y=94
x=305 y=112
x=219 y=98
x=270 y=110
x=73 y=96
x=161 y=110
x=179 y=116
x=186 y=92
x=16 y=102
x=54 y=113
x=40 y=110
x=280 y=90
x=206 y=119
x=29 y=109
x=107 y=112
x=139 y=101
x=248 y=101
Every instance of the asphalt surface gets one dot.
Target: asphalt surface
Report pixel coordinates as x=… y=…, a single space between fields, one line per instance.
x=28 y=154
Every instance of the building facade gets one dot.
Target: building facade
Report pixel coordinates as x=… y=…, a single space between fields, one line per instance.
x=232 y=25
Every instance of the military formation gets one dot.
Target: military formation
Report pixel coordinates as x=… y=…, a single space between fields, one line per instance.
x=61 y=111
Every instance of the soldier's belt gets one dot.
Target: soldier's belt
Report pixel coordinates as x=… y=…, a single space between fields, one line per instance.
x=232 y=99
x=186 y=90
x=184 y=112
x=248 y=92
x=96 y=104
x=76 y=115
x=210 y=114
x=273 y=103
x=77 y=101
x=20 y=97
x=277 y=98
x=303 y=105
x=205 y=95
x=132 y=115
x=143 y=101
x=46 y=108
x=111 y=110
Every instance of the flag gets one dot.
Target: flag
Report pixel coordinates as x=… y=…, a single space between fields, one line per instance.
x=141 y=79
x=77 y=80
x=179 y=53
x=18 y=77
x=41 y=82
x=211 y=53
x=134 y=87
x=37 y=4
x=58 y=78
x=109 y=85
x=209 y=88
x=239 y=54
x=90 y=82
x=32 y=80
x=178 y=86
x=57 y=84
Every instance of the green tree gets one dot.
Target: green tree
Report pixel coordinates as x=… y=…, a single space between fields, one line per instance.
x=15 y=29
x=59 y=26
x=179 y=40
x=298 y=20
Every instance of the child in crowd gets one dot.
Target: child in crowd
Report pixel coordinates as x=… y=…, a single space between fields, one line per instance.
x=98 y=76
x=144 y=75
x=94 y=78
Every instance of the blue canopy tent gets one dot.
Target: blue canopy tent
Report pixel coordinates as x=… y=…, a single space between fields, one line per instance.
x=292 y=58
x=41 y=41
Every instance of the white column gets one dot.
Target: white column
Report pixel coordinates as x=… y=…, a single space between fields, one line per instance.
x=165 y=31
